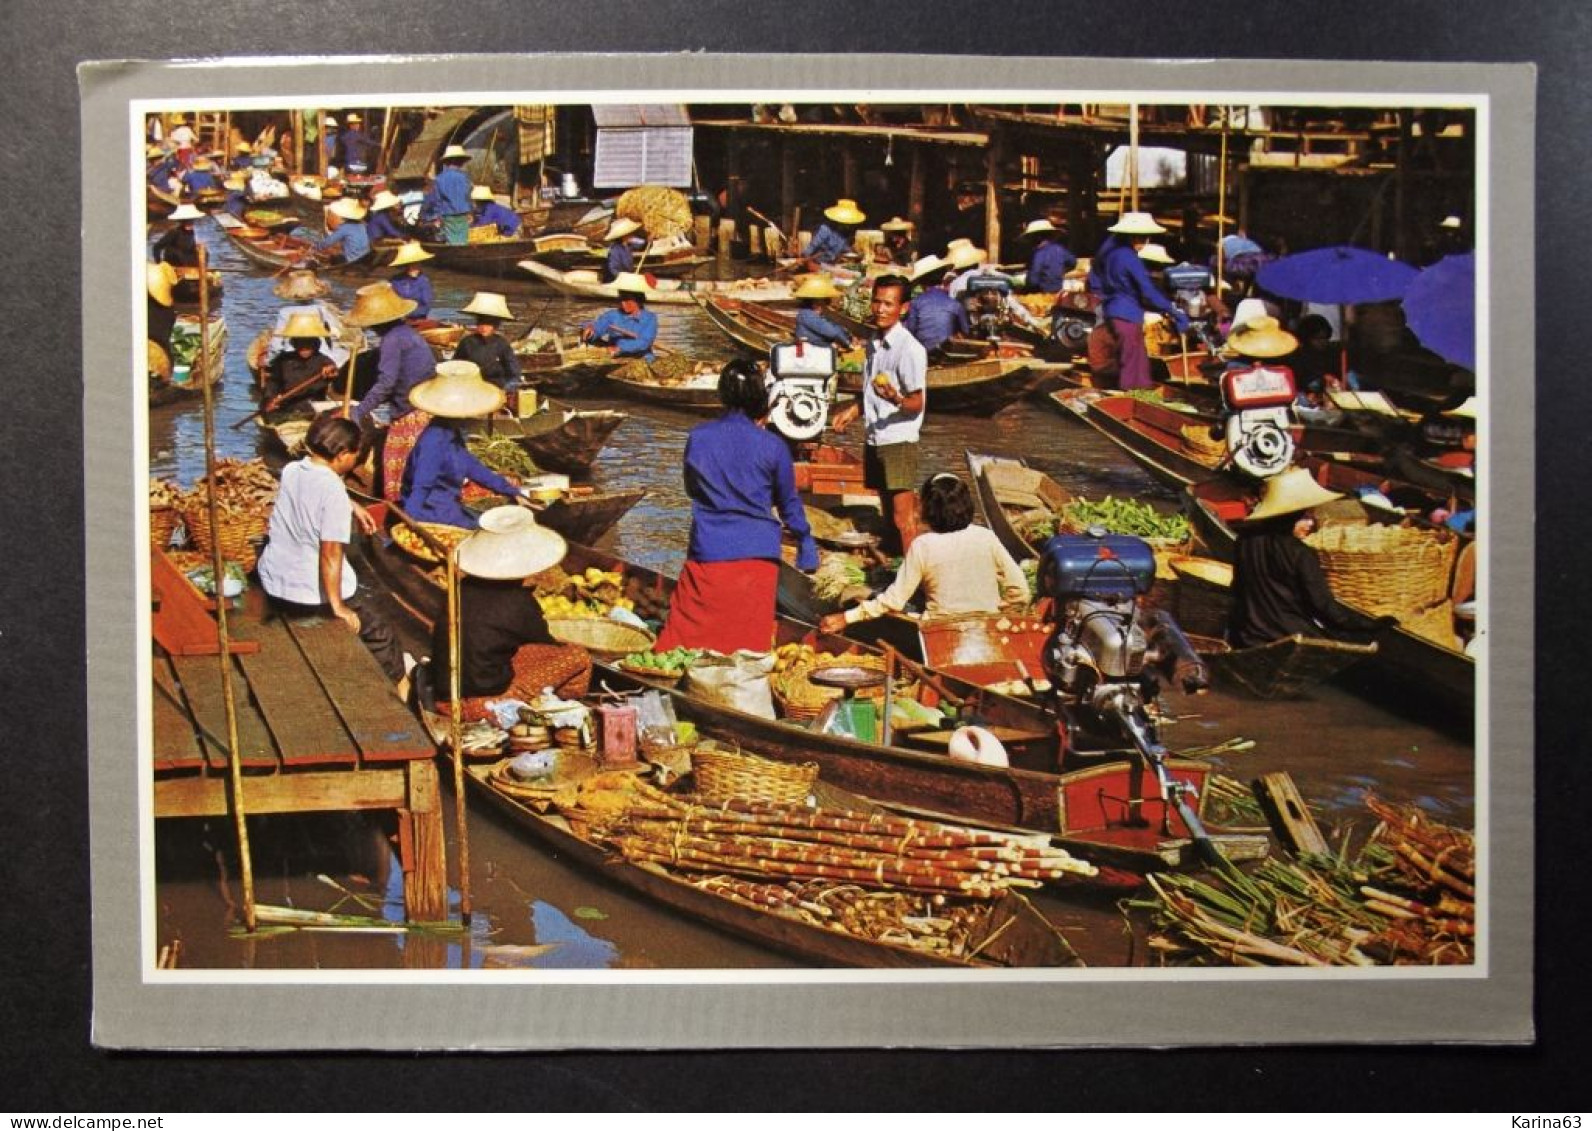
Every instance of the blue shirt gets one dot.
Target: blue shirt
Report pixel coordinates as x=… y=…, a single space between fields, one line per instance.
x=1118 y=275
x=827 y=245
x=160 y=176
x=1048 y=266
x=438 y=467
x=235 y=203
x=811 y=326
x=357 y=147
x=608 y=330
x=418 y=288
x=737 y=474
x=200 y=180
x=403 y=360
x=491 y=212
x=450 y=192
x=350 y=237
x=934 y=318
x=619 y=259
x=380 y=226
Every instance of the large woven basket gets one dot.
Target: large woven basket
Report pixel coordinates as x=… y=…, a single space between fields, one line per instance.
x=1386 y=569
x=799 y=698
x=603 y=638
x=238 y=534
x=722 y=774
x=1198 y=445
x=163 y=522
x=1435 y=624
x=1204 y=595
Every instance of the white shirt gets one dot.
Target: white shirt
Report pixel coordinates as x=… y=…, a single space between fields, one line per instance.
x=903 y=359
x=184 y=137
x=964 y=571
x=311 y=507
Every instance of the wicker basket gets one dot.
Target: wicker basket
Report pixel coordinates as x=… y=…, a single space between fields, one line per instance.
x=1435 y=624
x=799 y=698
x=1198 y=445
x=1386 y=569
x=163 y=523
x=603 y=638
x=722 y=774
x=1204 y=595
x=238 y=534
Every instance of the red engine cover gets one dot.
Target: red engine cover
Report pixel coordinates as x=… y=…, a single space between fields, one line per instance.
x=1259 y=386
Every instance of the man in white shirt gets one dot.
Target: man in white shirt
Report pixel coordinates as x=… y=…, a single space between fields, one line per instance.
x=894 y=396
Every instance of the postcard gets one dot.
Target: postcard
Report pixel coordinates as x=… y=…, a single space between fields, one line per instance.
x=1138 y=668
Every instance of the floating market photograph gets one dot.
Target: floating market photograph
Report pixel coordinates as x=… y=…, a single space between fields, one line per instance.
x=958 y=536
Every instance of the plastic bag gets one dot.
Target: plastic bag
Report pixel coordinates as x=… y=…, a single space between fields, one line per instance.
x=655 y=721
x=739 y=681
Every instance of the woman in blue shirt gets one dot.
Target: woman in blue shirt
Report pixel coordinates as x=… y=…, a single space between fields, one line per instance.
x=833 y=238
x=488 y=211
x=737 y=474
x=629 y=331
x=410 y=282
x=815 y=294
x=441 y=463
x=620 y=258
x=382 y=221
x=350 y=238
x=448 y=201
x=1120 y=278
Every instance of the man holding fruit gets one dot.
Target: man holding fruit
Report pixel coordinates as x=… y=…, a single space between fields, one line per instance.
x=894 y=396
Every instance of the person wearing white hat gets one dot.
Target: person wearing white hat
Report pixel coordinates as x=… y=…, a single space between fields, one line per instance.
x=411 y=282
x=630 y=330
x=237 y=198
x=441 y=462
x=403 y=361
x=350 y=238
x=184 y=138
x=1279 y=587
x=1050 y=260
x=356 y=150
x=484 y=347
x=620 y=237
x=896 y=249
x=815 y=293
x=383 y=219
x=301 y=370
x=487 y=212
x=179 y=245
x=1118 y=276
x=329 y=141
x=448 y=199
x=505 y=647
x=303 y=569
x=934 y=317
x=832 y=241
x=201 y=178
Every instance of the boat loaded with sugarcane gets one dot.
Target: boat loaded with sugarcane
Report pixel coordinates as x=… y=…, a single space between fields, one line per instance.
x=1108 y=808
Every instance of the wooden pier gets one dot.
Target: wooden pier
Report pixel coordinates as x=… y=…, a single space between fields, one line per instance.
x=319 y=728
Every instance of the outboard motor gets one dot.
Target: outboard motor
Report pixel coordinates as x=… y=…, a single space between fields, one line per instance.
x=986 y=297
x=1258 y=402
x=1107 y=658
x=801 y=387
x=1072 y=317
x=1190 y=284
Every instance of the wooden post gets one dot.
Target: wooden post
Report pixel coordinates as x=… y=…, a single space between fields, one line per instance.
x=1221 y=208
x=787 y=189
x=218 y=572
x=992 y=216
x=386 y=140
x=426 y=870
x=456 y=734
x=348 y=388
x=915 y=191
x=1132 y=169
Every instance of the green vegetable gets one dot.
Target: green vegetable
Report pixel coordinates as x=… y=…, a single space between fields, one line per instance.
x=1127 y=516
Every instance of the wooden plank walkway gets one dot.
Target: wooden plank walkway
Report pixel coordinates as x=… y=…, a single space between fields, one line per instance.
x=319 y=727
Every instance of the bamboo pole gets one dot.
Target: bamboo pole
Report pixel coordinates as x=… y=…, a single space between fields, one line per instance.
x=386 y=140
x=348 y=387
x=456 y=732
x=218 y=572
x=1221 y=207
x=1133 y=157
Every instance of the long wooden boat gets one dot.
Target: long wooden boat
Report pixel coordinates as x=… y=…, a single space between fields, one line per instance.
x=561 y=366
x=159 y=203
x=1013 y=934
x=560 y=438
x=1107 y=812
x=185 y=292
x=587 y=284
x=696 y=392
x=1008 y=490
x=980 y=386
x=185 y=379
x=280 y=251
x=565 y=256
x=1407 y=659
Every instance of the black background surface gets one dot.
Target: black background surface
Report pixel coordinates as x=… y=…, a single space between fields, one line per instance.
x=49 y=1066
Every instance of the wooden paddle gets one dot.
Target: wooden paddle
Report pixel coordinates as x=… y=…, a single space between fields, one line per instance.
x=280 y=399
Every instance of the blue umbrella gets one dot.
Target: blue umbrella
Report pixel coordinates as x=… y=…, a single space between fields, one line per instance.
x=1440 y=308
x=1341 y=275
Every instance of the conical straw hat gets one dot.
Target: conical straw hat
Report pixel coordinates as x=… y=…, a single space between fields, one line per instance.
x=347 y=209
x=1154 y=253
x=384 y=199
x=1289 y=493
x=1040 y=227
x=816 y=286
x=488 y=304
x=845 y=211
x=896 y=224
x=481 y=192
x=1137 y=224
x=928 y=265
x=630 y=283
x=458 y=391
x=1262 y=337
x=160 y=278
x=510 y=545
x=410 y=252
x=455 y=153
x=304 y=324
x=185 y=212
x=377 y=304
x=300 y=285
x=962 y=254
x=620 y=228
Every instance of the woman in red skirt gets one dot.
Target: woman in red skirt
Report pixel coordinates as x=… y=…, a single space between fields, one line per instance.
x=737 y=474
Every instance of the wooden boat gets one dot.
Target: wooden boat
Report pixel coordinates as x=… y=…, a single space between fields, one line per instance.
x=563 y=255
x=271 y=219
x=1010 y=496
x=981 y=386
x=560 y=438
x=280 y=251
x=559 y=365
x=697 y=391
x=1014 y=934
x=495 y=258
x=185 y=292
x=184 y=380
x=587 y=284
x=1110 y=811
x=1396 y=654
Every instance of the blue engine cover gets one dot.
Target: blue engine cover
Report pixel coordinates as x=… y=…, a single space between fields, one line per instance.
x=1096 y=565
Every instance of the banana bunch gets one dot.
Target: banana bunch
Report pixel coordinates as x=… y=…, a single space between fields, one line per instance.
x=789 y=655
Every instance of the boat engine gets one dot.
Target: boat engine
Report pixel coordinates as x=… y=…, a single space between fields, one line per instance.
x=1072 y=317
x=1258 y=401
x=801 y=387
x=1109 y=656
x=1190 y=283
x=986 y=297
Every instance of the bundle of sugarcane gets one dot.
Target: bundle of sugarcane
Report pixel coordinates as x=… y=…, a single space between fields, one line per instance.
x=869 y=849
x=661 y=211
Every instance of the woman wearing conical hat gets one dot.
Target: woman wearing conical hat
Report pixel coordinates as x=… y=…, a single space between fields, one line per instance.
x=179 y=245
x=484 y=347
x=621 y=235
x=403 y=361
x=815 y=292
x=485 y=211
x=1127 y=292
x=411 y=282
x=1279 y=587
x=302 y=369
x=160 y=280
x=441 y=463
x=384 y=219
x=832 y=241
x=351 y=239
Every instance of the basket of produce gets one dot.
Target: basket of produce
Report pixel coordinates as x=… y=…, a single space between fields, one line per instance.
x=413 y=544
x=238 y=533
x=1167 y=534
x=722 y=774
x=660 y=667
x=245 y=491
x=663 y=212
x=165 y=513
x=1435 y=623
x=502 y=455
x=1201 y=446
x=1386 y=569
x=798 y=697
x=605 y=639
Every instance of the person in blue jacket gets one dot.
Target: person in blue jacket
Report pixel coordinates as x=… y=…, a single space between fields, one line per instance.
x=630 y=330
x=448 y=200
x=350 y=238
x=833 y=239
x=488 y=211
x=200 y=178
x=441 y=462
x=621 y=257
x=1050 y=260
x=237 y=199
x=815 y=294
x=410 y=282
x=383 y=221
x=1126 y=291
x=356 y=148
x=934 y=317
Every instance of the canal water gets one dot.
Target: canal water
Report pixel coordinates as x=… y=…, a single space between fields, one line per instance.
x=534 y=911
